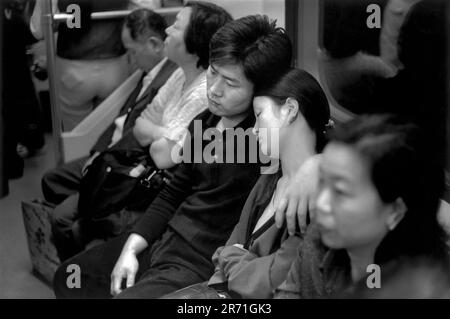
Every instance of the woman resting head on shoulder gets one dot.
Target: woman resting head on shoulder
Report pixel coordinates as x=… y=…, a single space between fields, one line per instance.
x=377 y=206
x=291 y=119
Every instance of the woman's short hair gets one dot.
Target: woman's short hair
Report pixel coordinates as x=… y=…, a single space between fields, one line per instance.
x=145 y=22
x=400 y=168
x=206 y=18
x=262 y=49
x=313 y=104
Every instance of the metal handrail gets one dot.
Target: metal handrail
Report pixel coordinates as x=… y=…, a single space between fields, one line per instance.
x=58 y=17
x=47 y=27
x=3 y=175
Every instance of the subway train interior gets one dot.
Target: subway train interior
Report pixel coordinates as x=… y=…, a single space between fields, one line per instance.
x=102 y=102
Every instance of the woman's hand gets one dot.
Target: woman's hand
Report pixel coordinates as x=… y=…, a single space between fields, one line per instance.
x=296 y=197
x=125 y=269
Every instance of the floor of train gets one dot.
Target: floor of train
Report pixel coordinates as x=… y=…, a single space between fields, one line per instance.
x=16 y=278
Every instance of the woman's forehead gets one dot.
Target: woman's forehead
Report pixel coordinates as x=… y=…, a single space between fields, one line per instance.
x=260 y=102
x=343 y=162
x=184 y=15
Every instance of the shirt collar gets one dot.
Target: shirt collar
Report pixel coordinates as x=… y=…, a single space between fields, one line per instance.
x=247 y=122
x=153 y=72
x=212 y=120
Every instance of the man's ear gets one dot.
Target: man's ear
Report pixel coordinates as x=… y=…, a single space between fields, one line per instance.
x=156 y=43
x=396 y=214
x=290 y=110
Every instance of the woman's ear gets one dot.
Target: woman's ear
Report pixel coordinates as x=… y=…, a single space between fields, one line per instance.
x=289 y=110
x=396 y=214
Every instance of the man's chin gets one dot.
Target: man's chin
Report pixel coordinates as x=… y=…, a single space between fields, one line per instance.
x=214 y=110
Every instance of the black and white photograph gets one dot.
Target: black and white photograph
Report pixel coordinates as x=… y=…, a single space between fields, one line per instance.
x=244 y=151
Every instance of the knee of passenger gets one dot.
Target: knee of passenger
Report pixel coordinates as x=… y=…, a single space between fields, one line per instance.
x=64 y=216
x=59 y=280
x=56 y=220
x=67 y=280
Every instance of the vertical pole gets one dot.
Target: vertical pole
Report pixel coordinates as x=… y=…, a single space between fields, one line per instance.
x=447 y=161
x=3 y=176
x=291 y=18
x=47 y=27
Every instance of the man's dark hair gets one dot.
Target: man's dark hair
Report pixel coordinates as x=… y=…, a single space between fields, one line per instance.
x=206 y=19
x=145 y=22
x=257 y=44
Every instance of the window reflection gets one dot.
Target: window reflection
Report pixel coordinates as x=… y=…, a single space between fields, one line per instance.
x=350 y=56
x=398 y=68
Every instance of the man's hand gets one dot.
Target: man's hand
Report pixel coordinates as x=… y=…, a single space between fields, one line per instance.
x=296 y=197
x=125 y=269
x=127 y=265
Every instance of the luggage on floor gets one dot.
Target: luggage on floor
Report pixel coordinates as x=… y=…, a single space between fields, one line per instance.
x=44 y=258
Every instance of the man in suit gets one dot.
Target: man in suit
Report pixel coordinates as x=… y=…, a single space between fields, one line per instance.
x=143 y=35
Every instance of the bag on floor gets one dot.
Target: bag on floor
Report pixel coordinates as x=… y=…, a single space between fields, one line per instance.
x=44 y=258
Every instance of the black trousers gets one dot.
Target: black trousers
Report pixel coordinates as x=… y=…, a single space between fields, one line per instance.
x=164 y=267
x=63 y=181
x=65 y=229
x=70 y=235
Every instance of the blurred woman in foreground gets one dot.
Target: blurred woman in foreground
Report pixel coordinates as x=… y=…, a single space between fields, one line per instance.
x=376 y=207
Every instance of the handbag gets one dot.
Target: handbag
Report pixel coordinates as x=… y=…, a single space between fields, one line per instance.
x=43 y=254
x=118 y=180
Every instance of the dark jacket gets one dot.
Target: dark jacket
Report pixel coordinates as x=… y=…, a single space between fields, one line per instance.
x=320 y=272
x=255 y=272
x=204 y=200
x=317 y=271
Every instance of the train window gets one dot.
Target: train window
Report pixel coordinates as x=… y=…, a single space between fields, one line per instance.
x=275 y=9
x=388 y=56
x=349 y=56
x=371 y=53
x=171 y=3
